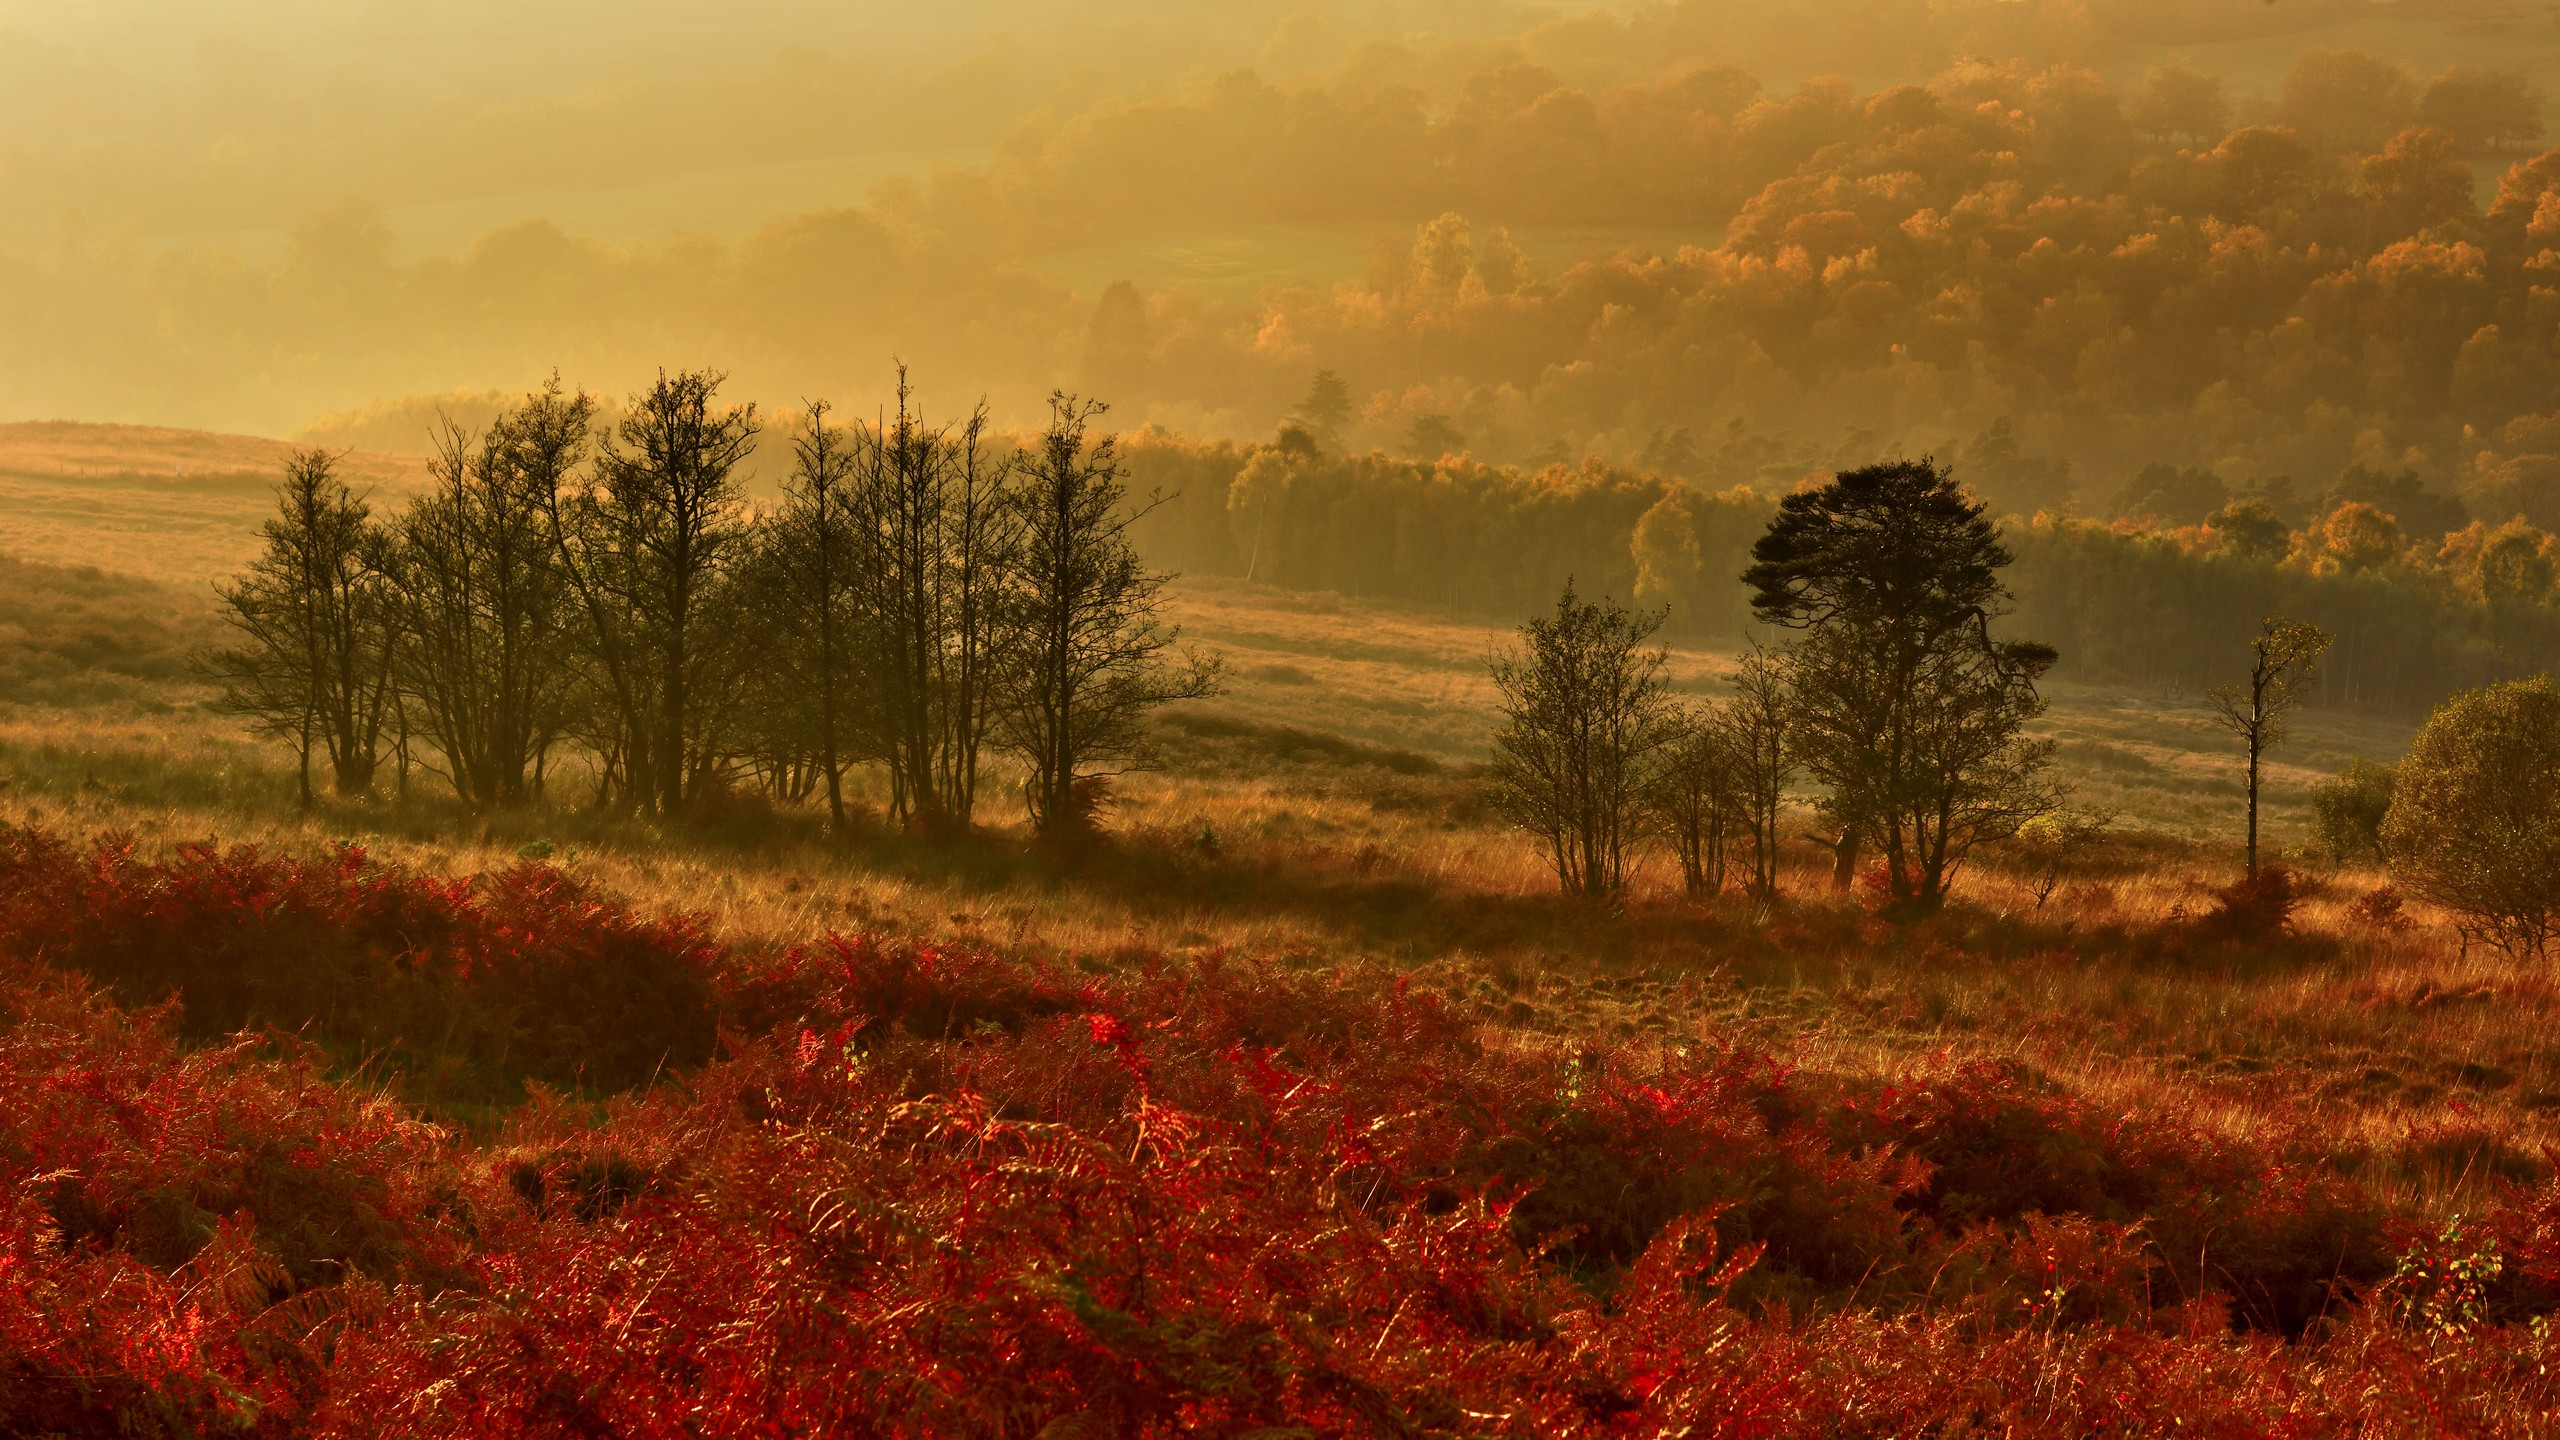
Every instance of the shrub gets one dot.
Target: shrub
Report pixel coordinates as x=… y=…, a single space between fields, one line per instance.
x=935 y=1192
x=2474 y=823
x=482 y=982
x=182 y=1230
x=2347 y=811
x=2256 y=908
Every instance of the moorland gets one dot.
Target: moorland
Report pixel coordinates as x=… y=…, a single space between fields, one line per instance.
x=1300 y=1102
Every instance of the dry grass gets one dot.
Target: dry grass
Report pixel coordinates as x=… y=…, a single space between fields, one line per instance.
x=1417 y=680
x=180 y=506
x=1305 y=851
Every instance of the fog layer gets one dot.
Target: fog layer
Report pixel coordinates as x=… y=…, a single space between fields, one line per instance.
x=2064 y=241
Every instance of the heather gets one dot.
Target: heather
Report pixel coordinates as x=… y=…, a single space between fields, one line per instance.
x=930 y=1188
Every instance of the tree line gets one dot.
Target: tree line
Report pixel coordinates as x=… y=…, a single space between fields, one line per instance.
x=2107 y=269
x=920 y=599
x=2420 y=607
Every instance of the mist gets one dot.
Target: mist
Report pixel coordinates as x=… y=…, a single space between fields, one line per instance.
x=2071 y=240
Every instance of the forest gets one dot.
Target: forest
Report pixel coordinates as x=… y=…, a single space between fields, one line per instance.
x=2321 y=260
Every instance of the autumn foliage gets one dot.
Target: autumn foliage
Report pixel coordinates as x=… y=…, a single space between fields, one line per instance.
x=935 y=1191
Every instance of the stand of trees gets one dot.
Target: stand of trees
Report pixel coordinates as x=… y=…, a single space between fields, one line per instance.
x=919 y=599
x=1907 y=708
x=1893 y=694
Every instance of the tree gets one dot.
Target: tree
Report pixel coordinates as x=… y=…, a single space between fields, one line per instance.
x=1670 y=451
x=1326 y=409
x=1585 y=711
x=2485 y=112
x=2402 y=499
x=1431 y=437
x=1086 y=645
x=2355 y=539
x=2281 y=658
x=649 y=546
x=1696 y=797
x=1669 y=567
x=2251 y=530
x=2347 y=99
x=1761 y=720
x=810 y=553
x=2474 y=823
x=936 y=535
x=487 y=654
x=2171 y=495
x=1928 y=762
x=2416 y=182
x=2348 y=810
x=2178 y=104
x=1907 y=709
x=314 y=613
x=2517 y=567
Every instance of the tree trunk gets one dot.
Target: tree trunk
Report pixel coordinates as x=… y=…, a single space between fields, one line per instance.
x=1844 y=858
x=2254 y=750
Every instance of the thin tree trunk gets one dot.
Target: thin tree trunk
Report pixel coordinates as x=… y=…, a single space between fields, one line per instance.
x=1844 y=858
x=2254 y=750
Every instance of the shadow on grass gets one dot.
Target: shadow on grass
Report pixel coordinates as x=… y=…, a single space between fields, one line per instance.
x=1363 y=903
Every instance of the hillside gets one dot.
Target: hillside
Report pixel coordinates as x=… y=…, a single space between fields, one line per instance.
x=177 y=506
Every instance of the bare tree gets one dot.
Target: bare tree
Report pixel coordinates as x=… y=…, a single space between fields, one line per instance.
x=810 y=552
x=1088 y=651
x=1696 y=798
x=1586 y=710
x=487 y=654
x=2280 y=659
x=649 y=546
x=936 y=535
x=1760 y=721
x=314 y=616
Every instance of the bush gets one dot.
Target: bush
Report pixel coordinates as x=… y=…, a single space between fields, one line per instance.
x=946 y=1191
x=2256 y=908
x=2347 y=811
x=2474 y=823
x=469 y=986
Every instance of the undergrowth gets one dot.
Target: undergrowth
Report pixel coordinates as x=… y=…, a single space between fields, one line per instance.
x=925 y=1189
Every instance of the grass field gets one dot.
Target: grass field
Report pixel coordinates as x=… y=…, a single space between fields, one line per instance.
x=179 y=506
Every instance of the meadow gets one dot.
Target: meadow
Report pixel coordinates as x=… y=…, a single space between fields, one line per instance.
x=1302 y=1107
